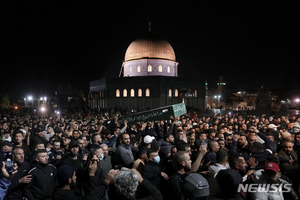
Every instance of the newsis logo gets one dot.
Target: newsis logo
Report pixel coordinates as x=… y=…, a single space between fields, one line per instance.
x=264 y=187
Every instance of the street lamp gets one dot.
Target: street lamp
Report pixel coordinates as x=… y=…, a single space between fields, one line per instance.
x=43 y=109
x=29 y=98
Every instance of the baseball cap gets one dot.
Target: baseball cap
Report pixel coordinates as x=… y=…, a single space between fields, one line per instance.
x=285 y=134
x=6 y=143
x=74 y=143
x=148 y=139
x=272 y=126
x=272 y=166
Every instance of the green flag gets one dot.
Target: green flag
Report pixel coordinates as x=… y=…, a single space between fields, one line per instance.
x=152 y=115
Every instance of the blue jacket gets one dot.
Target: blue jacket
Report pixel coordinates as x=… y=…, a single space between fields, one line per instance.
x=4 y=184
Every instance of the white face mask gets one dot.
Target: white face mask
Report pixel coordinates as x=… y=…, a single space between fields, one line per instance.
x=156 y=159
x=102 y=156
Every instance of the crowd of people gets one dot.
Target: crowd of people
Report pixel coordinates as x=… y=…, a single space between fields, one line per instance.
x=76 y=155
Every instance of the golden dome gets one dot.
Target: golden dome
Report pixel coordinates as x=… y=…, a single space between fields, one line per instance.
x=150 y=46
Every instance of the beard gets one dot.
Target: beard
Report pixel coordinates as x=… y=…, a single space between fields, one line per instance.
x=187 y=169
x=239 y=145
x=73 y=154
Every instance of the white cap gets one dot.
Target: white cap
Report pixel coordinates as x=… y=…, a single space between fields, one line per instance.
x=272 y=126
x=285 y=134
x=148 y=139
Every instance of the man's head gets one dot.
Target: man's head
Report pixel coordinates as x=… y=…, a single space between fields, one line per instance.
x=297 y=138
x=6 y=146
x=288 y=147
x=67 y=141
x=238 y=163
x=39 y=145
x=221 y=143
x=296 y=128
x=182 y=160
x=173 y=150
x=148 y=139
x=86 y=140
x=50 y=129
x=271 y=172
x=169 y=138
x=202 y=136
x=125 y=139
x=143 y=154
x=213 y=146
x=287 y=136
x=18 y=137
x=272 y=126
x=41 y=156
x=97 y=151
x=153 y=156
x=76 y=134
x=56 y=145
x=252 y=139
x=41 y=133
x=222 y=156
x=96 y=139
x=242 y=141
x=185 y=147
x=18 y=155
x=74 y=148
x=126 y=183
x=66 y=176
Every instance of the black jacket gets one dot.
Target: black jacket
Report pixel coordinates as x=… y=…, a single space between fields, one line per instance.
x=43 y=182
x=152 y=173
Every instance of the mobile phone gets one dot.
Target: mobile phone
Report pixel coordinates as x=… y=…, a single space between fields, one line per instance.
x=9 y=165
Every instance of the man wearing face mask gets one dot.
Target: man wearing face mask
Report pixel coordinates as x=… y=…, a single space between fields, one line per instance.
x=152 y=170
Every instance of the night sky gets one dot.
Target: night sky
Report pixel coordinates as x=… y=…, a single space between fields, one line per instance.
x=46 y=43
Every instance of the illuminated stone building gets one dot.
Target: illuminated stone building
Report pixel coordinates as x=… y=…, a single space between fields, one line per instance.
x=148 y=79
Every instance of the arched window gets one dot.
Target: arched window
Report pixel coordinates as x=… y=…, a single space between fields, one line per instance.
x=149 y=68
x=169 y=69
x=139 y=68
x=140 y=93
x=117 y=93
x=196 y=93
x=176 y=93
x=124 y=93
x=170 y=93
x=159 y=68
x=147 y=94
x=132 y=92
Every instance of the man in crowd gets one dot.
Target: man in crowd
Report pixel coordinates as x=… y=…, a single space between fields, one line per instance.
x=125 y=154
x=20 y=179
x=43 y=178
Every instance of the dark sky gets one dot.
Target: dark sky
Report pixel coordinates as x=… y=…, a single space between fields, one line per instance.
x=46 y=43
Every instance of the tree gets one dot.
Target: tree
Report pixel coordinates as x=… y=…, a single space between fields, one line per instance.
x=4 y=101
